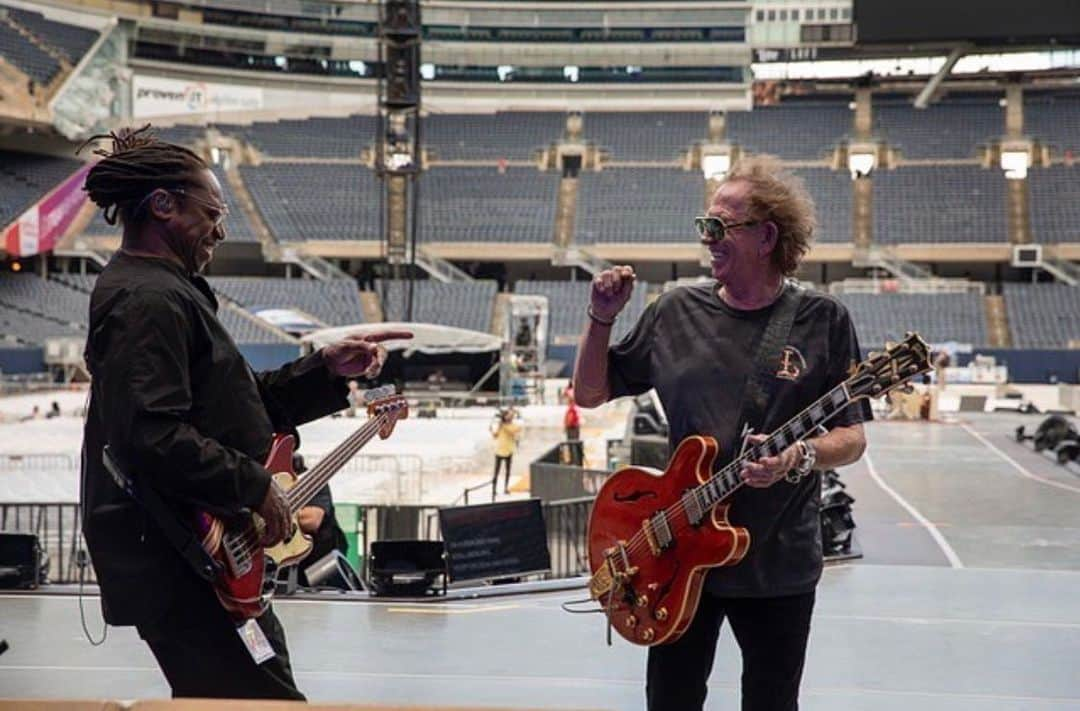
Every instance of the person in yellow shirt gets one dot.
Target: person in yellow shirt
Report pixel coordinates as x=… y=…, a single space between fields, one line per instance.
x=506 y=433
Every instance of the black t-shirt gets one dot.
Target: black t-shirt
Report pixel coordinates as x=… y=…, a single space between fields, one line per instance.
x=698 y=353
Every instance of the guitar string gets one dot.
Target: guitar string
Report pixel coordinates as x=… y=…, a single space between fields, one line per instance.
x=340 y=454
x=250 y=543
x=674 y=512
x=639 y=539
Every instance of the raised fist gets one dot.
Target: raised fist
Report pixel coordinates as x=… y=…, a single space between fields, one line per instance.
x=611 y=290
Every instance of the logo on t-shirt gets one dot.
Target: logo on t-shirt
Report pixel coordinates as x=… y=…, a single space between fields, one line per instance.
x=792 y=363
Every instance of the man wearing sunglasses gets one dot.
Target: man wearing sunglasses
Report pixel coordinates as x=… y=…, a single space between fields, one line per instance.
x=698 y=346
x=188 y=420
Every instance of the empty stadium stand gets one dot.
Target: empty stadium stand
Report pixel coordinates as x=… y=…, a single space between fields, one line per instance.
x=793 y=131
x=35 y=309
x=833 y=200
x=566 y=307
x=308 y=201
x=26 y=178
x=645 y=135
x=937 y=317
x=939 y=204
x=949 y=129
x=1054 y=203
x=485 y=205
x=35 y=62
x=1043 y=315
x=639 y=205
x=1054 y=119
x=513 y=135
x=322 y=137
x=70 y=41
x=237 y=226
x=460 y=304
x=335 y=303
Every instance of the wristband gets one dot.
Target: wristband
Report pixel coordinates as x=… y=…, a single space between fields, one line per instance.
x=597 y=319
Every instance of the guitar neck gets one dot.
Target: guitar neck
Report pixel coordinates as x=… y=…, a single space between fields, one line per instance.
x=317 y=477
x=727 y=480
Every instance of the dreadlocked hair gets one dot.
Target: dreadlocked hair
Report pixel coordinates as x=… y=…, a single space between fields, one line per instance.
x=138 y=163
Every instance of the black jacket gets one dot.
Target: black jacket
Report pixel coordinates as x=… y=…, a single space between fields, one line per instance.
x=185 y=414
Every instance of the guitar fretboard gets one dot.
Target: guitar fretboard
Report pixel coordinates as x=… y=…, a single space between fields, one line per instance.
x=321 y=473
x=727 y=480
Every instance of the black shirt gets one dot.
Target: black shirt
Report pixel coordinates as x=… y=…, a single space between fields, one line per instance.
x=184 y=413
x=698 y=353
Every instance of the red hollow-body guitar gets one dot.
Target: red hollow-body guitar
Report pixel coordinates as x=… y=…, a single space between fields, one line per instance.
x=654 y=535
x=247 y=571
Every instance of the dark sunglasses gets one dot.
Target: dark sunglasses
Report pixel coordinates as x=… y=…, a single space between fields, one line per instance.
x=712 y=229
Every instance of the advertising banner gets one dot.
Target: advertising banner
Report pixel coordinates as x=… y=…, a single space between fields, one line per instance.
x=161 y=96
x=40 y=227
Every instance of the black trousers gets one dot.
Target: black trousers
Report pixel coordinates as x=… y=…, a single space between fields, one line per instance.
x=506 y=478
x=199 y=651
x=772 y=634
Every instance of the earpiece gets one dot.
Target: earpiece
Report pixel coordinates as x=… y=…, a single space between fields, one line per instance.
x=162 y=202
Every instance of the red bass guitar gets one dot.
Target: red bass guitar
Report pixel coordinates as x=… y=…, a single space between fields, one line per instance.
x=654 y=535
x=246 y=570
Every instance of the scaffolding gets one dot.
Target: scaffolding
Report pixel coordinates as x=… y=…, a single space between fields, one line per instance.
x=524 y=351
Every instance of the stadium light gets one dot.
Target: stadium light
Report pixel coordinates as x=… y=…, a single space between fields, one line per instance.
x=861 y=164
x=215 y=155
x=427 y=71
x=505 y=72
x=571 y=72
x=1015 y=164
x=715 y=166
x=280 y=62
x=357 y=66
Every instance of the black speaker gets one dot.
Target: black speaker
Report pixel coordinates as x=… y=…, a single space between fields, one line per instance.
x=20 y=560
x=400 y=18
x=406 y=568
x=402 y=75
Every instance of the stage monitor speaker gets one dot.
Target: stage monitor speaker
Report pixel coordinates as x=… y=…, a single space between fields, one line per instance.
x=406 y=568
x=402 y=75
x=333 y=570
x=20 y=560
x=649 y=451
x=400 y=18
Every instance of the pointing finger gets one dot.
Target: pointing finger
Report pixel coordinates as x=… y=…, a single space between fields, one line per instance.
x=381 y=336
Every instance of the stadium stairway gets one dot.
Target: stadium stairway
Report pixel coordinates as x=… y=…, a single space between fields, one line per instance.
x=372 y=306
x=997 y=321
x=566 y=211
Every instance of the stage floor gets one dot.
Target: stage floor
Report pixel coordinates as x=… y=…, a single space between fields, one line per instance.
x=968 y=598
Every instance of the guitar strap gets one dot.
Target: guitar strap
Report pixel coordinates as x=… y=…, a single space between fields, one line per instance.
x=761 y=383
x=179 y=536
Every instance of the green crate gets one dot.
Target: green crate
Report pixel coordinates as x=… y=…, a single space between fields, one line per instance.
x=351 y=519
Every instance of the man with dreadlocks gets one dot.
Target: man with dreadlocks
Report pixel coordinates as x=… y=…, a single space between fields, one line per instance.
x=185 y=415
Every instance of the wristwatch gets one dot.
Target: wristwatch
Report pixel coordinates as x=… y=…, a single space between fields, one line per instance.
x=805 y=465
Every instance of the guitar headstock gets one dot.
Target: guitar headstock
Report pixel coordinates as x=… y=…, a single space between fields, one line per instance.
x=891 y=368
x=384 y=401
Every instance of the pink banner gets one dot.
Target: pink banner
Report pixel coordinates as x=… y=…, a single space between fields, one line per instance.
x=39 y=228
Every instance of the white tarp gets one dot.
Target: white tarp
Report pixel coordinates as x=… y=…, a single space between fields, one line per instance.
x=427 y=338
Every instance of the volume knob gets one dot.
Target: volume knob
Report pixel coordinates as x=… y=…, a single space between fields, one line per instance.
x=661 y=613
x=631 y=621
